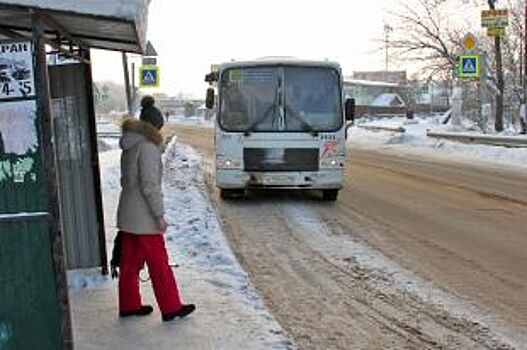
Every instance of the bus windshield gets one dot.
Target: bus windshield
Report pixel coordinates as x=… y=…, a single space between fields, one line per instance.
x=280 y=99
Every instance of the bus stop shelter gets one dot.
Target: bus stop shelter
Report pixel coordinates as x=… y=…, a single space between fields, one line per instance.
x=51 y=214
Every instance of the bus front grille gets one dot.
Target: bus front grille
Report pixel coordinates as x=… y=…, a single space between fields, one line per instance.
x=281 y=159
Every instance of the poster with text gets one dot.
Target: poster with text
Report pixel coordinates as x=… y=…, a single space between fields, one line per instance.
x=16 y=71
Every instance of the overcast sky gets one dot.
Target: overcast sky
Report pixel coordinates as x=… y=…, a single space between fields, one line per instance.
x=191 y=35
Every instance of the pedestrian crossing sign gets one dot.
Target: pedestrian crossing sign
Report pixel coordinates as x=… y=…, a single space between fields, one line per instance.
x=149 y=76
x=469 y=66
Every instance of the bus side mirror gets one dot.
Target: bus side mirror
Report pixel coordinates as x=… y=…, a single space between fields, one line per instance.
x=350 y=109
x=209 y=100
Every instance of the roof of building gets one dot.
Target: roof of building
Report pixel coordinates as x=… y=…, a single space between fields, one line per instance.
x=360 y=82
x=388 y=100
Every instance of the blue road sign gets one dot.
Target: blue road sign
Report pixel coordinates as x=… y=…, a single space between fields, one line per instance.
x=149 y=76
x=469 y=66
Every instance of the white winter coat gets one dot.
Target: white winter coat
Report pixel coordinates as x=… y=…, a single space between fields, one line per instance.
x=141 y=199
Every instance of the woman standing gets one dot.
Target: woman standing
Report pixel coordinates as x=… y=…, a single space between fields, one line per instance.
x=141 y=218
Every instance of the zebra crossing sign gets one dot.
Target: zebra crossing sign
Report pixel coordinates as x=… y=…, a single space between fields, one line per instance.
x=469 y=66
x=149 y=76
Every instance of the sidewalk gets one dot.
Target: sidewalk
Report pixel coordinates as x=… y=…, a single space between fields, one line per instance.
x=220 y=323
x=230 y=314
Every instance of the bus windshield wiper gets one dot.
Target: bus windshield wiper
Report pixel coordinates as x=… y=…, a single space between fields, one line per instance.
x=264 y=116
x=305 y=124
x=260 y=120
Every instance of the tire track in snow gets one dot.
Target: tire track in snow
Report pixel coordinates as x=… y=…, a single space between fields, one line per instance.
x=423 y=309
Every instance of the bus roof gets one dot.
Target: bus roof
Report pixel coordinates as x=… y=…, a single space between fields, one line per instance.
x=279 y=61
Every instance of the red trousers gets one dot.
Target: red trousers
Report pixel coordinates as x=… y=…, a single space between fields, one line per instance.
x=136 y=250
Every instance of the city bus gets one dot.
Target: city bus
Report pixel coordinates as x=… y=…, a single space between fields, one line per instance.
x=280 y=124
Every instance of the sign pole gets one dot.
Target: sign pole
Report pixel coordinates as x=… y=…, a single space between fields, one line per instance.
x=127 y=85
x=485 y=109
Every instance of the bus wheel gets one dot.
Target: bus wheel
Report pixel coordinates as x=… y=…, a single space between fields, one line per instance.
x=330 y=195
x=230 y=193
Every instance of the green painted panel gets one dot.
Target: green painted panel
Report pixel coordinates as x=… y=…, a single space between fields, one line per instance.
x=29 y=308
x=29 y=316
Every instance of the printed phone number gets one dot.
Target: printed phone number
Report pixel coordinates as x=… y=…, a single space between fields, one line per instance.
x=17 y=89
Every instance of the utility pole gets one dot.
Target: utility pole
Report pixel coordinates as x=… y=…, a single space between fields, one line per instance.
x=521 y=80
x=387 y=30
x=525 y=57
x=498 y=122
x=523 y=110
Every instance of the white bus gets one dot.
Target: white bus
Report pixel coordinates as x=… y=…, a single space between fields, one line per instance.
x=280 y=123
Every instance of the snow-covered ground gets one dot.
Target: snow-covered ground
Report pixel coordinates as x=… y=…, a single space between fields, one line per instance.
x=414 y=140
x=195 y=120
x=230 y=315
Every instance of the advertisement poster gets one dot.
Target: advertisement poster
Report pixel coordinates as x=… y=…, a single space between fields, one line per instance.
x=16 y=71
x=18 y=113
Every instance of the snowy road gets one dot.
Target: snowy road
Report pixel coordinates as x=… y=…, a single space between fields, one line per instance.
x=418 y=252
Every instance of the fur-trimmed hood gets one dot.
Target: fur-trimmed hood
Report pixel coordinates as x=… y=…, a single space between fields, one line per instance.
x=136 y=131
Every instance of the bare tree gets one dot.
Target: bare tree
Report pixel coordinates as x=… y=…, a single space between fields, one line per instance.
x=421 y=36
x=513 y=46
x=114 y=98
x=506 y=61
x=425 y=37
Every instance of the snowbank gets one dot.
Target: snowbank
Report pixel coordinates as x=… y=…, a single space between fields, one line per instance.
x=416 y=141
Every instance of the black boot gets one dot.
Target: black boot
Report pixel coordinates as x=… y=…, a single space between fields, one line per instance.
x=142 y=311
x=185 y=310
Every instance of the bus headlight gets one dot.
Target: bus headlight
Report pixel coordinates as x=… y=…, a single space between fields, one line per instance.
x=332 y=163
x=227 y=163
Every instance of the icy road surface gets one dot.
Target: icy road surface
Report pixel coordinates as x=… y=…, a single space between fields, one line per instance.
x=419 y=252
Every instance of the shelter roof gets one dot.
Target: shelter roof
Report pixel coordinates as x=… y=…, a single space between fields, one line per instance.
x=118 y=25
